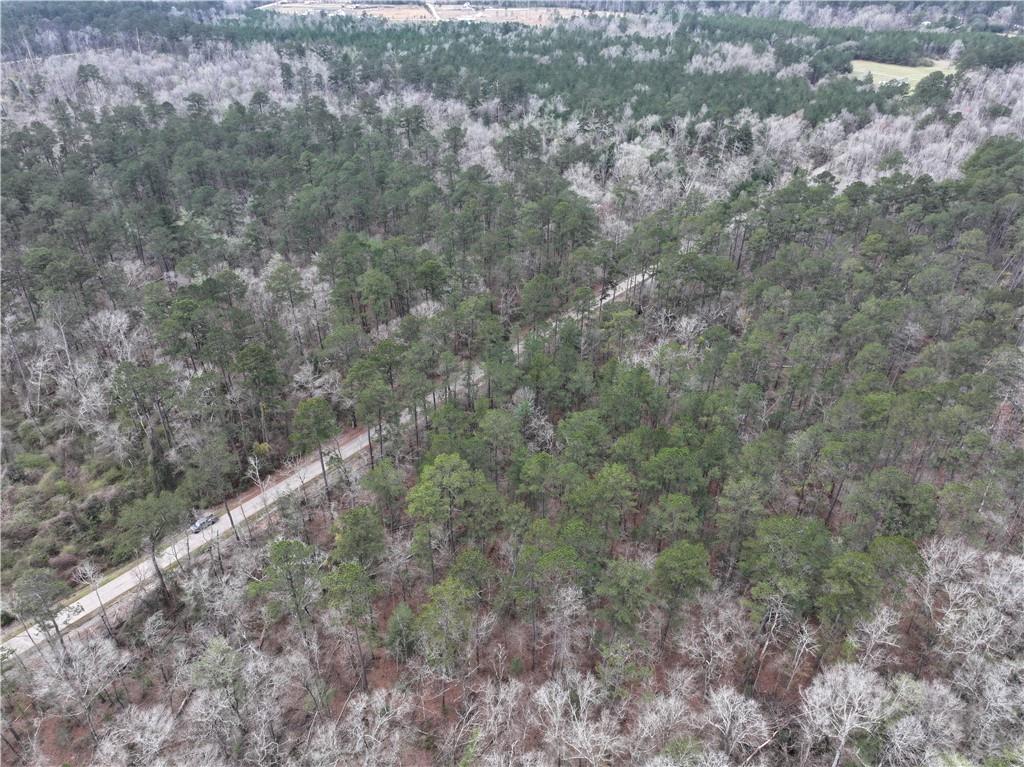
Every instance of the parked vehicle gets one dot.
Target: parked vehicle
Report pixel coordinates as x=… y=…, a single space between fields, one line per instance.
x=202 y=523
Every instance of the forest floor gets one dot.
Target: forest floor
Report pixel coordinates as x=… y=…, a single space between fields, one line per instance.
x=882 y=73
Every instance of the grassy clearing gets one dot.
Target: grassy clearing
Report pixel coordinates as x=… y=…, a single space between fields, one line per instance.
x=883 y=73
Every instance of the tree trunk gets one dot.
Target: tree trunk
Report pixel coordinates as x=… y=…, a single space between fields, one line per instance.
x=323 y=470
x=159 y=572
x=839 y=751
x=834 y=500
x=380 y=432
x=362 y=662
x=232 y=521
x=60 y=636
x=665 y=629
x=533 y=640
x=103 y=613
x=430 y=553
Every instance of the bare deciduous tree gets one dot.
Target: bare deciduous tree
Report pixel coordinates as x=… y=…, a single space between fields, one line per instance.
x=737 y=721
x=86 y=669
x=843 y=700
x=136 y=738
x=86 y=573
x=721 y=636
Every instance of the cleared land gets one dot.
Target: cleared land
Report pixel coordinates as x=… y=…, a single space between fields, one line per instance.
x=883 y=73
x=416 y=12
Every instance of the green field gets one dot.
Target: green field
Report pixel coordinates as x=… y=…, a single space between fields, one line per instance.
x=883 y=73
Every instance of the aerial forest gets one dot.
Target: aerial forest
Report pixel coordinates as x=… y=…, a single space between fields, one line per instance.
x=630 y=383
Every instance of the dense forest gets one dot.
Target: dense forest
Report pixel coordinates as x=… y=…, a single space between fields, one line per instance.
x=688 y=366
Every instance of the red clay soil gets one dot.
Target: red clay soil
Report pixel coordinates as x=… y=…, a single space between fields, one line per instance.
x=64 y=742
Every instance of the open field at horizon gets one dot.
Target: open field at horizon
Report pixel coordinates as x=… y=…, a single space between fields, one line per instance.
x=419 y=12
x=882 y=73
